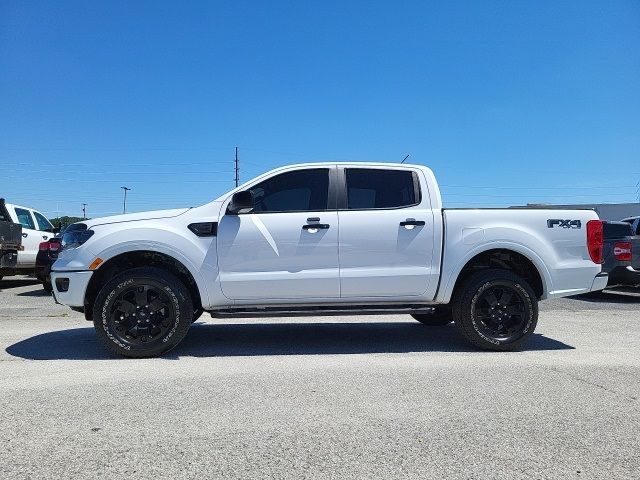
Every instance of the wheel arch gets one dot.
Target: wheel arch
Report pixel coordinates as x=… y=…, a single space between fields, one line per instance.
x=508 y=256
x=144 y=257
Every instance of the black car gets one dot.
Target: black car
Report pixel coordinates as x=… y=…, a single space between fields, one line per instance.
x=621 y=253
x=47 y=254
x=10 y=242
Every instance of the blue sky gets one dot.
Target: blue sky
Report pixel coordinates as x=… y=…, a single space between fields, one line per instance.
x=509 y=102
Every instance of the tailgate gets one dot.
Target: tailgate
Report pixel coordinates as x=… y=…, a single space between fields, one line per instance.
x=10 y=236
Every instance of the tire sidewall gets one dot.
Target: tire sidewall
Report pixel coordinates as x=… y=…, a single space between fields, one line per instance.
x=170 y=285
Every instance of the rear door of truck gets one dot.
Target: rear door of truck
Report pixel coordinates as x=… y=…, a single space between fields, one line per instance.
x=386 y=233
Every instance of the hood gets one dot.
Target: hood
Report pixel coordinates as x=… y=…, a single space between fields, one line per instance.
x=132 y=217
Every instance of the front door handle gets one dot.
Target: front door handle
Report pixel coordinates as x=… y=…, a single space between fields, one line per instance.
x=25 y=235
x=315 y=226
x=415 y=223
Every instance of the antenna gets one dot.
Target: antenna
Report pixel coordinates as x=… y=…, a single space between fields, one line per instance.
x=403 y=160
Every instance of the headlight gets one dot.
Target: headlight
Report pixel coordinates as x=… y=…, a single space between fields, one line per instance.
x=75 y=235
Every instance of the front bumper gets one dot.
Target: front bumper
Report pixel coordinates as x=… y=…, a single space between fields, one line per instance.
x=69 y=288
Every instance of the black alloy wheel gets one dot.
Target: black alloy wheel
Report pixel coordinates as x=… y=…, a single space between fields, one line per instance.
x=142 y=312
x=500 y=311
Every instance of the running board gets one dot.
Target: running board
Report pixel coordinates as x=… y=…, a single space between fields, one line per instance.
x=320 y=310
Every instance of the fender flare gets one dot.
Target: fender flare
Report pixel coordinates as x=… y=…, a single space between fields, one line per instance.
x=446 y=290
x=158 y=247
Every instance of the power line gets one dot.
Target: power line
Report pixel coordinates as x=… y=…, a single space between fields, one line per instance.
x=124 y=203
x=237 y=168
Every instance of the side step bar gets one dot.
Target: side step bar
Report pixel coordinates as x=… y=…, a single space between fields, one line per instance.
x=319 y=310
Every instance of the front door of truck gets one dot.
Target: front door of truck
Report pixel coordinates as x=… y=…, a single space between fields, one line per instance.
x=386 y=234
x=287 y=247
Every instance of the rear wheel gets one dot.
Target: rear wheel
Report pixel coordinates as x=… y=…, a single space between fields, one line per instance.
x=143 y=312
x=495 y=310
x=441 y=315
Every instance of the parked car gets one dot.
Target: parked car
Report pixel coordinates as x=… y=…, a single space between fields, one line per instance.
x=323 y=239
x=10 y=242
x=621 y=254
x=47 y=254
x=35 y=229
x=635 y=224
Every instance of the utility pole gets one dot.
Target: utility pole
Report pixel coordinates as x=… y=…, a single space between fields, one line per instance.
x=237 y=169
x=84 y=211
x=124 y=204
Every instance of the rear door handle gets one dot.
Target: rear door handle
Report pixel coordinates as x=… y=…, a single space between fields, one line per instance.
x=415 y=223
x=315 y=226
x=25 y=235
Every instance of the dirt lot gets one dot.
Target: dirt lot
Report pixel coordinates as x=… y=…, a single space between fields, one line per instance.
x=341 y=397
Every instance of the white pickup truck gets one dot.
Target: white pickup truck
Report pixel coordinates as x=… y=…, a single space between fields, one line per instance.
x=322 y=239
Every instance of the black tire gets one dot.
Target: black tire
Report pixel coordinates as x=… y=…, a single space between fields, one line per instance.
x=493 y=322
x=163 y=306
x=441 y=316
x=47 y=287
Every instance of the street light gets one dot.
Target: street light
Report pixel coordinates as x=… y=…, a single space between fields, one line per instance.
x=124 y=204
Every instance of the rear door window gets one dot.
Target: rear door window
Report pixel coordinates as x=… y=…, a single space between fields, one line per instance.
x=369 y=188
x=25 y=219
x=43 y=224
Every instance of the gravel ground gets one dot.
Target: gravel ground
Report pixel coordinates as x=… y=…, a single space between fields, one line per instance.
x=340 y=397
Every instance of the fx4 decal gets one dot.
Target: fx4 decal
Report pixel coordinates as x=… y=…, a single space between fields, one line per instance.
x=556 y=222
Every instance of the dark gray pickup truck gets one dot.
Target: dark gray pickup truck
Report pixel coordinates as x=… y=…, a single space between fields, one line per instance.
x=10 y=241
x=621 y=253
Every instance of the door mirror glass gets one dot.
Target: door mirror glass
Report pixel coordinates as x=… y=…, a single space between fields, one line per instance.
x=241 y=202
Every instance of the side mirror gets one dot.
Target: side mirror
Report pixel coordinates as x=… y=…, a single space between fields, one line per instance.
x=241 y=202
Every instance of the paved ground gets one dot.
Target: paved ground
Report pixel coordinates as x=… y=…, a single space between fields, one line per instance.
x=347 y=397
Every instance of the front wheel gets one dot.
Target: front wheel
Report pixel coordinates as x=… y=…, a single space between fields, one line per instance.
x=143 y=312
x=495 y=310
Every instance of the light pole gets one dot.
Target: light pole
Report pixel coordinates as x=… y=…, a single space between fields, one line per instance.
x=124 y=203
x=84 y=211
